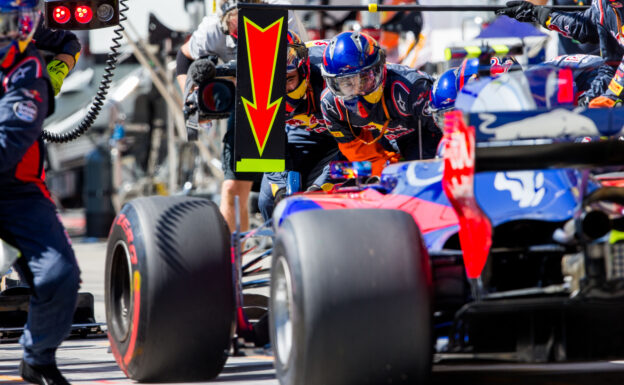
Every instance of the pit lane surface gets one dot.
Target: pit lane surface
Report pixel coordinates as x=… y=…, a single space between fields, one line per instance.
x=87 y=361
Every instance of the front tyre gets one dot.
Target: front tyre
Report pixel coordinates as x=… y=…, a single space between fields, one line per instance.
x=350 y=299
x=168 y=289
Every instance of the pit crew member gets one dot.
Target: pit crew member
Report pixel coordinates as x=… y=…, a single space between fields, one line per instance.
x=601 y=23
x=28 y=217
x=375 y=110
x=310 y=147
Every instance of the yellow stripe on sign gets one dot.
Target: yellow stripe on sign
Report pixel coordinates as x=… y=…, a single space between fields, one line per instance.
x=261 y=165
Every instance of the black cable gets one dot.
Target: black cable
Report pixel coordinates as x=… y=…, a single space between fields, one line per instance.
x=100 y=97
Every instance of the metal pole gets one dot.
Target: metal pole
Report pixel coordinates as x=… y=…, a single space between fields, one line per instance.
x=395 y=8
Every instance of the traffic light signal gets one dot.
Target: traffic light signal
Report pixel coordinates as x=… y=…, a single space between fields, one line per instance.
x=81 y=14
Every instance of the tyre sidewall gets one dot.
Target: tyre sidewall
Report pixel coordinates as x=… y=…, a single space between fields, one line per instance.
x=126 y=232
x=285 y=246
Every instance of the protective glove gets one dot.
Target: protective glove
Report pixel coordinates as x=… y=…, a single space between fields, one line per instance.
x=525 y=12
x=391 y=157
x=314 y=188
x=279 y=195
x=613 y=96
x=605 y=101
x=57 y=70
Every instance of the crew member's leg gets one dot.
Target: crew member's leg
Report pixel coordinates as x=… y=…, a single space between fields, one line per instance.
x=234 y=184
x=49 y=266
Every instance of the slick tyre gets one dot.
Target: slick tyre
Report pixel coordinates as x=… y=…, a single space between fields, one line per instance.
x=350 y=299
x=168 y=289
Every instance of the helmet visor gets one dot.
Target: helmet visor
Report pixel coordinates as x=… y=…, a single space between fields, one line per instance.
x=438 y=116
x=353 y=85
x=17 y=25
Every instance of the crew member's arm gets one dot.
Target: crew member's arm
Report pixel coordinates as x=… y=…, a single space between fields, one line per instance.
x=580 y=26
x=22 y=111
x=207 y=39
x=614 y=94
x=183 y=62
x=66 y=47
x=418 y=97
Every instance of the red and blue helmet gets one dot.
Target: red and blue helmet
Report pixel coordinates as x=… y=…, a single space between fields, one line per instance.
x=297 y=59
x=354 y=69
x=447 y=86
x=468 y=69
x=18 y=22
x=443 y=95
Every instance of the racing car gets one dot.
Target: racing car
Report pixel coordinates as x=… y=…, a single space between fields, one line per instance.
x=497 y=250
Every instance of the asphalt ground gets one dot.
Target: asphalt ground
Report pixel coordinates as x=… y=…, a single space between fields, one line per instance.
x=88 y=361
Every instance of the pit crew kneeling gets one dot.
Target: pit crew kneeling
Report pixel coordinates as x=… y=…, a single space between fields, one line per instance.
x=375 y=110
x=28 y=217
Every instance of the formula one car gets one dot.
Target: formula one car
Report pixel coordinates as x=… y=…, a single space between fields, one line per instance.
x=512 y=263
x=498 y=250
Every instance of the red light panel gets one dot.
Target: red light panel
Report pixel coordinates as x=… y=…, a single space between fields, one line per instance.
x=84 y=14
x=61 y=14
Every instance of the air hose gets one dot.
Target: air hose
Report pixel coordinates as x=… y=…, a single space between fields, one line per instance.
x=100 y=97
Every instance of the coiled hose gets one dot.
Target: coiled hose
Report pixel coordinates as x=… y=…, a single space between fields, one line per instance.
x=100 y=97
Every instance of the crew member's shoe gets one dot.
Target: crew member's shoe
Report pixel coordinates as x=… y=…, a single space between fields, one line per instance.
x=42 y=375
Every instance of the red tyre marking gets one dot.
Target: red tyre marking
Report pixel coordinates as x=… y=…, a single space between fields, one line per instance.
x=117 y=355
x=123 y=222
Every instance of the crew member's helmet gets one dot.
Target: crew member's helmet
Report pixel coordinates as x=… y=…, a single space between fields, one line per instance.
x=18 y=22
x=354 y=69
x=442 y=96
x=446 y=88
x=297 y=59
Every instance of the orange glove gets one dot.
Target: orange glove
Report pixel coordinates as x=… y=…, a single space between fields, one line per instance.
x=604 y=102
x=357 y=150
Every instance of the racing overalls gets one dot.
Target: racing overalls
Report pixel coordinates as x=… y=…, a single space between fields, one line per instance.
x=586 y=69
x=309 y=147
x=568 y=46
x=601 y=23
x=28 y=217
x=396 y=124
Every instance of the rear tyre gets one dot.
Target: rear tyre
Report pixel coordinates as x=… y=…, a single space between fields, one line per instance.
x=350 y=299
x=168 y=289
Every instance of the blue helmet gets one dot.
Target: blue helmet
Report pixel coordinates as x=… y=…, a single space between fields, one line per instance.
x=447 y=86
x=444 y=91
x=18 y=21
x=443 y=95
x=354 y=70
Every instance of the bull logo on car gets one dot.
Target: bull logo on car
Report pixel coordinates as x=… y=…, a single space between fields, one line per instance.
x=525 y=187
